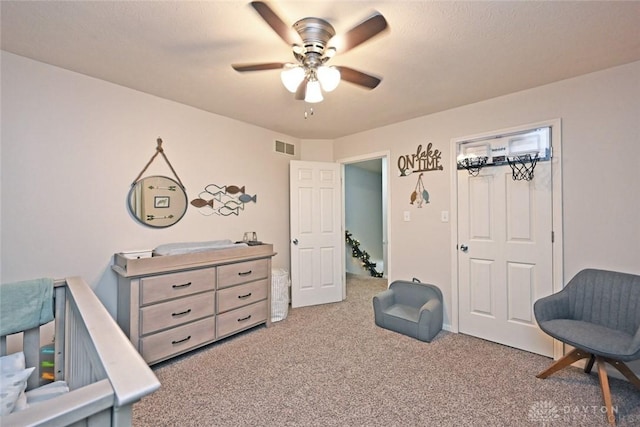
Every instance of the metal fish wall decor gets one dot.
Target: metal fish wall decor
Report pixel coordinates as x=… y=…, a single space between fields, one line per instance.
x=223 y=200
x=420 y=194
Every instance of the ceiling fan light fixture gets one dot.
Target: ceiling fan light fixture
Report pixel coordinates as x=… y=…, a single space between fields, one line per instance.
x=329 y=77
x=291 y=76
x=314 y=93
x=330 y=52
x=314 y=42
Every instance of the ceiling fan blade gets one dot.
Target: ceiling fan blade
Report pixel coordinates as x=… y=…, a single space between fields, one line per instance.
x=359 y=78
x=363 y=32
x=301 y=93
x=258 y=67
x=285 y=31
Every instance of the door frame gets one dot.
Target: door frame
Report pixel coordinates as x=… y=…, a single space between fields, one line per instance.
x=386 y=203
x=556 y=203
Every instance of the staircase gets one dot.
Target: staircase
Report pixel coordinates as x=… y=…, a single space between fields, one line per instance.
x=362 y=255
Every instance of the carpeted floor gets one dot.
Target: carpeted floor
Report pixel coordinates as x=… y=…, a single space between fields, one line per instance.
x=330 y=365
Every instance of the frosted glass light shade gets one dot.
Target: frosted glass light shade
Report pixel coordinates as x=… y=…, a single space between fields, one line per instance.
x=329 y=77
x=314 y=93
x=291 y=76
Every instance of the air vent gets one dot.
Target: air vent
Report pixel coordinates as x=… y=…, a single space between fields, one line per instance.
x=285 y=148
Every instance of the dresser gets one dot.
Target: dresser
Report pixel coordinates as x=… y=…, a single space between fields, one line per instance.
x=172 y=304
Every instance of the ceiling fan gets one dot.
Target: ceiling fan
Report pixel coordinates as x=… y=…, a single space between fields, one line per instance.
x=313 y=44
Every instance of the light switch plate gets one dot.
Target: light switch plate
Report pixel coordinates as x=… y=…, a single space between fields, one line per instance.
x=444 y=216
x=407 y=215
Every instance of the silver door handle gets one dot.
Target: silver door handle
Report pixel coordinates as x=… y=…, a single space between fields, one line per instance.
x=294 y=241
x=464 y=248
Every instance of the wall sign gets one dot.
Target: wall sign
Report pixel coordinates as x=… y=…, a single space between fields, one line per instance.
x=422 y=161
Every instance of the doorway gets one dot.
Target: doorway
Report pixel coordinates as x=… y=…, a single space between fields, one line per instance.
x=506 y=240
x=365 y=204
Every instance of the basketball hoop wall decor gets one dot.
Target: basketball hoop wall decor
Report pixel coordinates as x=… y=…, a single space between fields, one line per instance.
x=522 y=166
x=520 y=150
x=473 y=164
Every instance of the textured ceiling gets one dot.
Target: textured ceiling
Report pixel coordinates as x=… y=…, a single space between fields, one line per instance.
x=434 y=56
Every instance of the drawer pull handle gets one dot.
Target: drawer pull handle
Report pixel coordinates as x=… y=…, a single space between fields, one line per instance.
x=181 y=341
x=244 y=318
x=184 y=285
x=245 y=273
x=182 y=313
x=244 y=296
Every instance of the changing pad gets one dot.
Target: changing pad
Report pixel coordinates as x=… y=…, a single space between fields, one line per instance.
x=191 y=247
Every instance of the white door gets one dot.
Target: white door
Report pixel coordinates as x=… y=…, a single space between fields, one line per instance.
x=505 y=255
x=316 y=233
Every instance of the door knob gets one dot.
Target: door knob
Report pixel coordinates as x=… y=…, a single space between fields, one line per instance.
x=294 y=241
x=464 y=248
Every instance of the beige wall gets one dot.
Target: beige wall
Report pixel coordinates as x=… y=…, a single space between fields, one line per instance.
x=317 y=150
x=601 y=183
x=72 y=146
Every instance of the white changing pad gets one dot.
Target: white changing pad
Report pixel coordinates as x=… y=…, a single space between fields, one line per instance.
x=190 y=247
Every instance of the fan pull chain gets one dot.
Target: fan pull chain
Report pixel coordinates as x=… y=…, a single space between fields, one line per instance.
x=309 y=113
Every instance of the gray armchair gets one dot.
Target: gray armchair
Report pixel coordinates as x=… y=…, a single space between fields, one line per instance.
x=410 y=308
x=598 y=313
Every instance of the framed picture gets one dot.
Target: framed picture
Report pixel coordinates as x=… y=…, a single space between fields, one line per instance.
x=161 y=202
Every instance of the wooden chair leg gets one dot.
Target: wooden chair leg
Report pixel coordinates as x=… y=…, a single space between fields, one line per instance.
x=569 y=358
x=577 y=354
x=624 y=370
x=606 y=392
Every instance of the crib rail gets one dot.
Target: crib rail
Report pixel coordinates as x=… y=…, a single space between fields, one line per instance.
x=105 y=374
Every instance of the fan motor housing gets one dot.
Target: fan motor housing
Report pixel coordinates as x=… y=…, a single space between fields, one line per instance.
x=315 y=33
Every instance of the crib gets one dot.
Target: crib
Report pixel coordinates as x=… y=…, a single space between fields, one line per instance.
x=104 y=373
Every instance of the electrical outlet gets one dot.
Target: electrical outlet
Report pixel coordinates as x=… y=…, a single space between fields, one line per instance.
x=407 y=215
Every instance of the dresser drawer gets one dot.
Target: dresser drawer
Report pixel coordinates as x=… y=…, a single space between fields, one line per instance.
x=176 y=312
x=241 y=272
x=240 y=295
x=167 y=286
x=241 y=318
x=169 y=343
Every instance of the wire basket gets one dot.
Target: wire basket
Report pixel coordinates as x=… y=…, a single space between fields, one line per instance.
x=280 y=283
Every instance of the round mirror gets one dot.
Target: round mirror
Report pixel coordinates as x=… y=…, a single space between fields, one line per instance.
x=157 y=201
